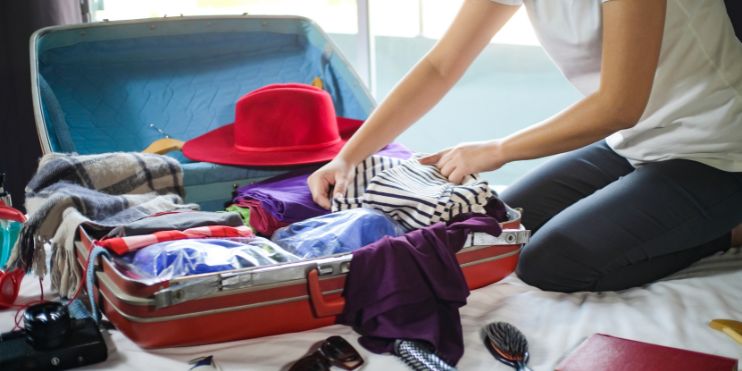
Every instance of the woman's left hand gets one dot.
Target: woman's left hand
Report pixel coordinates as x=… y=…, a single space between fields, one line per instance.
x=457 y=162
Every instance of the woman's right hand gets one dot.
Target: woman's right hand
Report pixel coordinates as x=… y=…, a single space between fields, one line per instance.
x=334 y=176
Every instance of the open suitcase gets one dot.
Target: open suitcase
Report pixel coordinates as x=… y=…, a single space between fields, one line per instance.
x=260 y=301
x=118 y=86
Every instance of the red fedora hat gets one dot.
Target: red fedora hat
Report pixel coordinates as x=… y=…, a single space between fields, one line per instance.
x=276 y=125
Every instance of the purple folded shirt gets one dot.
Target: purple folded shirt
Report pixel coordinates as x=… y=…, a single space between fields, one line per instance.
x=287 y=197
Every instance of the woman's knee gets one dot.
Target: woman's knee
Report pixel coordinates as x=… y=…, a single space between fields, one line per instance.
x=552 y=261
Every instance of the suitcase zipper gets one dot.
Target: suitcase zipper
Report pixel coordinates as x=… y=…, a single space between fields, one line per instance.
x=210 y=285
x=198 y=287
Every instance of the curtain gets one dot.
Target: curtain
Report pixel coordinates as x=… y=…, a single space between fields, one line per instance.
x=19 y=145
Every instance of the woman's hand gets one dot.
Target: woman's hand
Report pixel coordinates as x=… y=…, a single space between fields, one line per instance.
x=457 y=162
x=335 y=173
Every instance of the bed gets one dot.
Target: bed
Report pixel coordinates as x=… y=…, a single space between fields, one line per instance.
x=672 y=312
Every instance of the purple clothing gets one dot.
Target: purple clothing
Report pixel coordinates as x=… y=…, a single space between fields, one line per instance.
x=263 y=222
x=411 y=287
x=287 y=196
x=395 y=150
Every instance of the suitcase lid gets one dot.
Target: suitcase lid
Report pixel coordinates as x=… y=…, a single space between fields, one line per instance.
x=118 y=86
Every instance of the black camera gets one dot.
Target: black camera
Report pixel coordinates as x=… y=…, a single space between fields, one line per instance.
x=51 y=340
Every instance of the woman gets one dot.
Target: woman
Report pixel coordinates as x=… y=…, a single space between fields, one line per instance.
x=652 y=177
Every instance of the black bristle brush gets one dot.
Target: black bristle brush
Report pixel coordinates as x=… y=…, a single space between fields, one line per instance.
x=507 y=344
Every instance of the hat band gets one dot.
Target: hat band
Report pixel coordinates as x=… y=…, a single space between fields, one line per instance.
x=300 y=147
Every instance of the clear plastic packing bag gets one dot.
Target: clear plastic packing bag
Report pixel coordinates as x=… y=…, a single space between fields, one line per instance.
x=336 y=233
x=170 y=259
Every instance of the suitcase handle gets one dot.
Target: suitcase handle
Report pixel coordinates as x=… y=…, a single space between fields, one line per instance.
x=321 y=306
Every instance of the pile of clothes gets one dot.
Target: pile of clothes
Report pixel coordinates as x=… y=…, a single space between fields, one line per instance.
x=286 y=199
x=402 y=221
x=405 y=215
x=176 y=244
x=100 y=192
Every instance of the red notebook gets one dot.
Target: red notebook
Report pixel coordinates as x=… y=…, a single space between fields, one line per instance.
x=605 y=352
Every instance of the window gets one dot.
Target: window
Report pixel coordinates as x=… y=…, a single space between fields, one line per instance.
x=335 y=16
x=511 y=85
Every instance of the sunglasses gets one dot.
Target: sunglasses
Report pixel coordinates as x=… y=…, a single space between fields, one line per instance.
x=333 y=351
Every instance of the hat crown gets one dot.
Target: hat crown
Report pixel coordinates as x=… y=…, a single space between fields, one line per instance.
x=282 y=117
x=277 y=125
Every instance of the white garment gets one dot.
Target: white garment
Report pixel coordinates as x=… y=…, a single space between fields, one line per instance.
x=695 y=108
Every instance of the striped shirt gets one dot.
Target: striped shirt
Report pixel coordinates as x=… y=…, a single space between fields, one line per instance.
x=413 y=194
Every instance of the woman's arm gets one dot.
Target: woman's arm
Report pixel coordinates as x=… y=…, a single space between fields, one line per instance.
x=632 y=37
x=427 y=82
x=430 y=79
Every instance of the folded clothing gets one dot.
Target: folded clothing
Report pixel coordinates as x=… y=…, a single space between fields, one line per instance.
x=166 y=260
x=287 y=198
x=414 y=194
x=176 y=220
x=123 y=245
x=244 y=213
x=262 y=221
x=336 y=233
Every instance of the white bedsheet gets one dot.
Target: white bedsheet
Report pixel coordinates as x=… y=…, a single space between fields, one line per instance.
x=673 y=312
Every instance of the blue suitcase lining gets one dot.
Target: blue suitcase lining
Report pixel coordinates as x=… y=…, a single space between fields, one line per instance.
x=110 y=88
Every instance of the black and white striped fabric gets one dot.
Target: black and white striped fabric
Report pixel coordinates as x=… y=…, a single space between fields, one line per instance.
x=415 y=195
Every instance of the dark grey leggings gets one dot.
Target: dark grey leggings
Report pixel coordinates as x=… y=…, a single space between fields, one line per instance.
x=600 y=224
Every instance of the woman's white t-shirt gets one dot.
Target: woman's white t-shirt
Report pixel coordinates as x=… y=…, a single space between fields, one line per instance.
x=695 y=108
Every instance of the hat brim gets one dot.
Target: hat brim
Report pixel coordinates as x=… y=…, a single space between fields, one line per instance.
x=217 y=146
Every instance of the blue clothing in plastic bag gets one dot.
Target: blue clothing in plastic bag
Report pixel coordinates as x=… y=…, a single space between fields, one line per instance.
x=165 y=260
x=336 y=233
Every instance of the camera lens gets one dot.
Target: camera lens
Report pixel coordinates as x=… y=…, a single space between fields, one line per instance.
x=46 y=324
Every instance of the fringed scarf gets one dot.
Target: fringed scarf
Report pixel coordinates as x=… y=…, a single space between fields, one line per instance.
x=98 y=191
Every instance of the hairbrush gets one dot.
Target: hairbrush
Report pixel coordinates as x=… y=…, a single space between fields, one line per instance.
x=507 y=344
x=420 y=357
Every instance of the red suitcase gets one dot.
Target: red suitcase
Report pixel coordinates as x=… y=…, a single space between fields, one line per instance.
x=117 y=86
x=254 y=302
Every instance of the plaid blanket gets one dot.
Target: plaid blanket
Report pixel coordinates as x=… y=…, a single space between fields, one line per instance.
x=98 y=191
x=123 y=245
